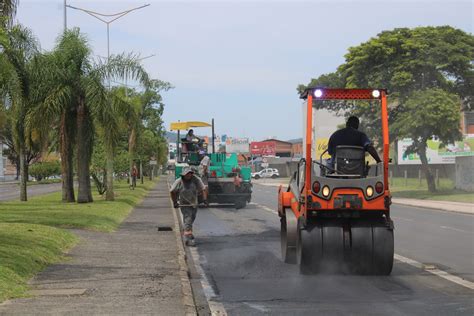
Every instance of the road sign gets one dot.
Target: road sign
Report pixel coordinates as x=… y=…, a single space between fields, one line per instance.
x=153 y=162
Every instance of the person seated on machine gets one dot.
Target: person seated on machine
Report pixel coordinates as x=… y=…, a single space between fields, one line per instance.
x=191 y=140
x=350 y=136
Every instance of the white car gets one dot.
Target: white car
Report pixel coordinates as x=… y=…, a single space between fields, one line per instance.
x=266 y=173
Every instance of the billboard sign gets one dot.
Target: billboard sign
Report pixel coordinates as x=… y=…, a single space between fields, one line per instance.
x=237 y=145
x=436 y=153
x=263 y=148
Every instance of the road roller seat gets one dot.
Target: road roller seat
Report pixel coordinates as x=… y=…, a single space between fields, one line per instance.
x=350 y=160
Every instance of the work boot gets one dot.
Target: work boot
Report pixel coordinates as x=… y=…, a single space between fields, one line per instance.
x=189 y=239
x=191 y=243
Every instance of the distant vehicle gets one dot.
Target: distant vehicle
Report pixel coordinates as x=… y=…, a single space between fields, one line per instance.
x=266 y=173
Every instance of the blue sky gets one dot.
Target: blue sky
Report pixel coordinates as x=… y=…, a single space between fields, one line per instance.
x=240 y=61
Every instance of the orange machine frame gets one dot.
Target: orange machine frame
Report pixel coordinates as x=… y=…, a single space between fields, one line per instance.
x=287 y=199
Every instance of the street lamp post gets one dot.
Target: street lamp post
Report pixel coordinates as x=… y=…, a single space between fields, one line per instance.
x=65 y=15
x=103 y=18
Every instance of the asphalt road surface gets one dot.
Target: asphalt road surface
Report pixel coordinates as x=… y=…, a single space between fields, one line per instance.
x=238 y=251
x=12 y=191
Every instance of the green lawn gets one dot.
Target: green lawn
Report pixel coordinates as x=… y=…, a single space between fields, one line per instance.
x=414 y=190
x=31 y=236
x=26 y=249
x=49 y=210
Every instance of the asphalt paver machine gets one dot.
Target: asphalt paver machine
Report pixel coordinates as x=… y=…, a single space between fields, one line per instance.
x=336 y=217
x=228 y=183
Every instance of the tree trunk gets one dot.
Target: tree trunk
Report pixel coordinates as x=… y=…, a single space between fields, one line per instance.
x=67 y=170
x=131 y=152
x=17 y=167
x=109 y=195
x=84 y=152
x=426 y=168
x=23 y=174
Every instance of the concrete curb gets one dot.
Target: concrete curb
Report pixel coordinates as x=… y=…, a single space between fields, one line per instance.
x=188 y=297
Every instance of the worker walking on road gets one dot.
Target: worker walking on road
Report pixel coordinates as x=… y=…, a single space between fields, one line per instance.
x=187 y=188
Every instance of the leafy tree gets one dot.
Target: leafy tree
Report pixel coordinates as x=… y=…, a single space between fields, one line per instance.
x=407 y=62
x=18 y=63
x=429 y=113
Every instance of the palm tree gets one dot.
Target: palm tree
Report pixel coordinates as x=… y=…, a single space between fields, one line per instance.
x=18 y=65
x=8 y=11
x=77 y=94
x=142 y=104
x=110 y=120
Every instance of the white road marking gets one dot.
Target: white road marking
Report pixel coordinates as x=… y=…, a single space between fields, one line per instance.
x=402 y=218
x=260 y=308
x=456 y=229
x=414 y=263
x=217 y=308
x=436 y=271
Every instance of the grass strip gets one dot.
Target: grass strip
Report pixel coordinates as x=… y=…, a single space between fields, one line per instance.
x=26 y=249
x=31 y=236
x=412 y=189
x=100 y=215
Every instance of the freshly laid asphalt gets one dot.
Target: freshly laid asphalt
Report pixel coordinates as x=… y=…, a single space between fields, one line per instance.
x=11 y=191
x=239 y=251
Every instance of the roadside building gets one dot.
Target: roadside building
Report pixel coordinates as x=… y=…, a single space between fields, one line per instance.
x=467 y=122
x=271 y=147
x=296 y=147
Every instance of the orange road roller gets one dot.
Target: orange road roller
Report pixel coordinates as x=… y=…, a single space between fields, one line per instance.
x=335 y=213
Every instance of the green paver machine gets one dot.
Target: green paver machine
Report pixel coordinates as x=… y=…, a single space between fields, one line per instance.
x=228 y=182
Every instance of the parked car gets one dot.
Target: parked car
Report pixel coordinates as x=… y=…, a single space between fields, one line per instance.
x=266 y=173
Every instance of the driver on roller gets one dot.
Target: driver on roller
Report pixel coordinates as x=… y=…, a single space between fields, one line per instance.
x=351 y=136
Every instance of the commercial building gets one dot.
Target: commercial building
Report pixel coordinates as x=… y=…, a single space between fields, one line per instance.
x=271 y=147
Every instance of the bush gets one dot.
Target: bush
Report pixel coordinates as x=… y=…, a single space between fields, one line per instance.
x=43 y=170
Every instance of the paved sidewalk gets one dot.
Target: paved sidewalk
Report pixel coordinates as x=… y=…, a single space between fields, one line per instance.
x=467 y=208
x=448 y=206
x=137 y=270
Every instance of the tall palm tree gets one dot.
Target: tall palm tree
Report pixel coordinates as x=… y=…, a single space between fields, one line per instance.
x=8 y=11
x=76 y=95
x=110 y=119
x=141 y=104
x=17 y=61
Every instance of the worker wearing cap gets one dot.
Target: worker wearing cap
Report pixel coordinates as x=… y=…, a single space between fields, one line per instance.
x=187 y=188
